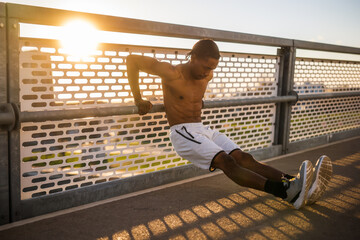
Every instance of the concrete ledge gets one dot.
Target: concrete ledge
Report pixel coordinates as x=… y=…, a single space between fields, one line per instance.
x=267 y=153
x=321 y=140
x=73 y=198
x=101 y=191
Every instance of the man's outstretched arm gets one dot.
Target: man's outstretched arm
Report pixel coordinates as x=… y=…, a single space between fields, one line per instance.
x=149 y=65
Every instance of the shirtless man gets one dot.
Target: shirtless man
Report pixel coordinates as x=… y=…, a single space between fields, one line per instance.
x=184 y=86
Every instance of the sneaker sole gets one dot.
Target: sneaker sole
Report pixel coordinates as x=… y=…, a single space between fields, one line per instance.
x=300 y=202
x=322 y=179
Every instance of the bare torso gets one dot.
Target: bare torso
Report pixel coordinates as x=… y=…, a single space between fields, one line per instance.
x=183 y=97
x=184 y=86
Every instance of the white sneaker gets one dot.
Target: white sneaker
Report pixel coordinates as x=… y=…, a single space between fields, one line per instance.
x=322 y=175
x=298 y=187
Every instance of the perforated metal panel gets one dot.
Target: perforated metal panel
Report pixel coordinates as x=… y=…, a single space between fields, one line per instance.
x=321 y=76
x=313 y=118
x=50 y=80
x=250 y=127
x=61 y=155
x=244 y=76
x=53 y=80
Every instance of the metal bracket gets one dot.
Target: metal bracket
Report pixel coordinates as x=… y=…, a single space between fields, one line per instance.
x=9 y=117
x=294 y=93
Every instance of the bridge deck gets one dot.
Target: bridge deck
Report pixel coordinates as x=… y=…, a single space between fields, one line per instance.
x=213 y=207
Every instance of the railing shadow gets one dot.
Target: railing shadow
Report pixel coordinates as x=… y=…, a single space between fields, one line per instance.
x=252 y=214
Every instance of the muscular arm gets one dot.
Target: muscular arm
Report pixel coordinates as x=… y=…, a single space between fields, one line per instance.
x=149 y=65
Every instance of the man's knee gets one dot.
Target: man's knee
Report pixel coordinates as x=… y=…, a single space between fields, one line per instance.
x=242 y=158
x=224 y=162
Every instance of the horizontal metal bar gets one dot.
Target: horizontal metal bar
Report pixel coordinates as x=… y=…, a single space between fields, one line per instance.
x=7 y=118
x=57 y=17
x=247 y=101
x=77 y=113
x=325 y=47
x=126 y=110
x=328 y=95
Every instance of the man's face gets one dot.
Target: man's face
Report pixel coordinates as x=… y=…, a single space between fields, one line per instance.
x=201 y=68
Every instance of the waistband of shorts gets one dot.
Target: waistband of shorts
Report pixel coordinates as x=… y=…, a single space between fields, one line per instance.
x=187 y=125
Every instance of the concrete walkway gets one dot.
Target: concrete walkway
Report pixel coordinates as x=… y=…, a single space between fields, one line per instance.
x=216 y=208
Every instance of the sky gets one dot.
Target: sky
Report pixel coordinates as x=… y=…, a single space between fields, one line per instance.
x=326 y=21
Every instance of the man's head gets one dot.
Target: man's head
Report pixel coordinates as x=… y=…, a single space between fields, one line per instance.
x=205 y=57
x=205 y=48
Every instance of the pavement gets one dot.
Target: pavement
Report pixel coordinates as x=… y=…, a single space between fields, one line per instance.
x=213 y=207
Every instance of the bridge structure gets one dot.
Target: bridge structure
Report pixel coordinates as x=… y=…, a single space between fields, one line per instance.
x=70 y=133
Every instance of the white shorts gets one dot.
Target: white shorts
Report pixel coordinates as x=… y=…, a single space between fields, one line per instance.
x=200 y=144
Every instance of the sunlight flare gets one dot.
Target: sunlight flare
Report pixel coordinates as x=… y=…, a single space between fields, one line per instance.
x=79 y=38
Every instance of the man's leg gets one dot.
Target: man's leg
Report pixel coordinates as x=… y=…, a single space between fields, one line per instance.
x=247 y=161
x=240 y=175
x=294 y=192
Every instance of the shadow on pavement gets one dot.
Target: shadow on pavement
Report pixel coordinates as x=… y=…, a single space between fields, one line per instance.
x=214 y=208
x=253 y=214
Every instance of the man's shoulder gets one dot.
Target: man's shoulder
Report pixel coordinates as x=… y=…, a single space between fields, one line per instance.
x=173 y=72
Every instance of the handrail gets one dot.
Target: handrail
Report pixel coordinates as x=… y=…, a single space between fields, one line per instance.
x=325 y=47
x=7 y=118
x=56 y=17
x=328 y=95
x=54 y=115
x=127 y=110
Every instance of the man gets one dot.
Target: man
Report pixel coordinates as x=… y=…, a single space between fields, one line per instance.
x=184 y=86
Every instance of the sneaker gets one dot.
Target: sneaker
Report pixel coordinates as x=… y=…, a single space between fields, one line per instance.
x=298 y=187
x=322 y=175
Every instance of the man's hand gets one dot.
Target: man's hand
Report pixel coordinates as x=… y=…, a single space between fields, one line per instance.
x=143 y=106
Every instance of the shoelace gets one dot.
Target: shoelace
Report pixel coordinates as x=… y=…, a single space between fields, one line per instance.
x=287 y=182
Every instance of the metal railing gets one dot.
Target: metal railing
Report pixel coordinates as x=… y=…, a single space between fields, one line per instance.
x=50 y=145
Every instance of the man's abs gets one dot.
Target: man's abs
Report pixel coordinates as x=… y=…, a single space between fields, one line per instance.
x=183 y=100
x=183 y=113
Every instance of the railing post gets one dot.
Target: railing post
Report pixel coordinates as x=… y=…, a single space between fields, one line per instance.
x=4 y=156
x=287 y=57
x=13 y=35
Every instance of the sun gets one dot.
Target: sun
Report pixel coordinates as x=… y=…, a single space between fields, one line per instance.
x=79 y=38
